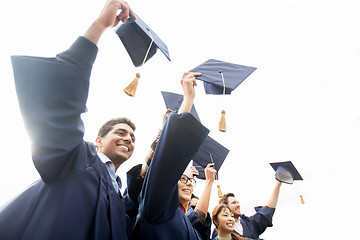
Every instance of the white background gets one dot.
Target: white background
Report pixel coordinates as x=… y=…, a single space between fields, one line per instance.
x=301 y=104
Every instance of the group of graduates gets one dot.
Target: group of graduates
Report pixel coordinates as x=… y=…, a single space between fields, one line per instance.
x=78 y=195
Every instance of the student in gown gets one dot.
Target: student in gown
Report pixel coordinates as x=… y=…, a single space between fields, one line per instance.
x=224 y=222
x=159 y=215
x=252 y=226
x=78 y=195
x=198 y=216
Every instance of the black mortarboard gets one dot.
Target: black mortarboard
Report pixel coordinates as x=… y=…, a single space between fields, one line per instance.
x=137 y=38
x=218 y=75
x=173 y=101
x=221 y=78
x=209 y=152
x=285 y=172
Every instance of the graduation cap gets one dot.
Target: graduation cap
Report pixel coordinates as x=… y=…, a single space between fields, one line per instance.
x=210 y=152
x=141 y=44
x=221 y=77
x=173 y=101
x=286 y=172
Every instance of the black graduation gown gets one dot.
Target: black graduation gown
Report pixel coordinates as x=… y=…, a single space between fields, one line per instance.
x=74 y=199
x=159 y=216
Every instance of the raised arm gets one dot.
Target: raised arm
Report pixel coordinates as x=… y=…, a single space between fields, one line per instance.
x=203 y=203
x=264 y=215
x=180 y=139
x=274 y=195
x=52 y=94
x=188 y=83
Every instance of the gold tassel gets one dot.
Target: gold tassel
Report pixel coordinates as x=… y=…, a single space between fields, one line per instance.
x=222 y=123
x=219 y=191
x=131 y=88
x=302 y=200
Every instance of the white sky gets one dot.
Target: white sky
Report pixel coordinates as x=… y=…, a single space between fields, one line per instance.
x=301 y=104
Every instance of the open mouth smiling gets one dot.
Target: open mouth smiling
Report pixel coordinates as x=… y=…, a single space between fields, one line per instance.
x=187 y=191
x=122 y=147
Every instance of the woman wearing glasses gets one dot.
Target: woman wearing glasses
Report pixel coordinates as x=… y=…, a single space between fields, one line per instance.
x=198 y=216
x=165 y=187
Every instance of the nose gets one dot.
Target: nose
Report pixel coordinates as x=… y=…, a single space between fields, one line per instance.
x=127 y=138
x=189 y=183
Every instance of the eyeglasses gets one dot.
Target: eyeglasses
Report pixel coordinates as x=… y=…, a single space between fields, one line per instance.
x=184 y=179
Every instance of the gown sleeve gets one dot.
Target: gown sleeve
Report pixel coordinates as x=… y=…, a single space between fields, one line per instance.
x=180 y=139
x=132 y=192
x=52 y=94
x=263 y=218
x=202 y=226
x=256 y=224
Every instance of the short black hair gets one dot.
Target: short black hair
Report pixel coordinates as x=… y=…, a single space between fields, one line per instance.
x=106 y=127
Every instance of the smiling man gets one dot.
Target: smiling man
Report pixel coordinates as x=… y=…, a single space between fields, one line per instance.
x=78 y=195
x=116 y=140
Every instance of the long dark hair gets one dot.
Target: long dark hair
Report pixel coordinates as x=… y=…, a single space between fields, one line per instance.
x=215 y=214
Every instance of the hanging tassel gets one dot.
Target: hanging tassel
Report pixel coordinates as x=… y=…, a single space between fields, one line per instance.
x=222 y=123
x=131 y=88
x=219 y=191
x=302 y=200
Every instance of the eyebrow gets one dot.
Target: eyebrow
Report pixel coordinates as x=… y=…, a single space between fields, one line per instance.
x=124 y=130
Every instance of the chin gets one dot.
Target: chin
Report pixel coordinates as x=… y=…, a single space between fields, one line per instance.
x=124 y=156
x=185 y=198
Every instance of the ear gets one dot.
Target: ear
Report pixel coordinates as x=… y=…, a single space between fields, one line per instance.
x=98 y=142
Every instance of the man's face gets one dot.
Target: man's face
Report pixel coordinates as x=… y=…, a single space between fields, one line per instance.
x=118 y=144
x=234 y=206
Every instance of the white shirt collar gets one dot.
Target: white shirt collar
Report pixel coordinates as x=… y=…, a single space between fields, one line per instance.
x=106 y=161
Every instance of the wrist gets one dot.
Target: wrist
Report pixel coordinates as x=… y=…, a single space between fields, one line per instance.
x=94 y=32
x=209 y=181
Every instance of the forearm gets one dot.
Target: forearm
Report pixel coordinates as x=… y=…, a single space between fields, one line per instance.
x=94 y=32
x=186 y=105
x=203 y=203
x=274 y=195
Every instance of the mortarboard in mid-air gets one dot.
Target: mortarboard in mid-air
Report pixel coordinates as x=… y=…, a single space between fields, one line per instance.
x=221 y=77
x=209 y=152
x=141 y=44
x=287 y=173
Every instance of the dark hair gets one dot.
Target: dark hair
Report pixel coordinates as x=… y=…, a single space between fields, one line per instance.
x=106 y=127
x=215 y=214
x=194 y=196
x=224 y=199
